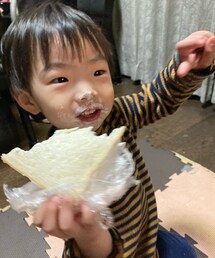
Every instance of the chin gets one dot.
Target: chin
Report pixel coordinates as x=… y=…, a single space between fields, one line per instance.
x=95 y=125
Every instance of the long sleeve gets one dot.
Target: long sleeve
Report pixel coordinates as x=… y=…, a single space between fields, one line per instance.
x=160 y=97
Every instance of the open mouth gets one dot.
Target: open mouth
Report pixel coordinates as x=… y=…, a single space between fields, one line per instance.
x=90 y=115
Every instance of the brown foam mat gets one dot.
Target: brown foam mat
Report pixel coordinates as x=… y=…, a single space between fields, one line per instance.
x=187 y=205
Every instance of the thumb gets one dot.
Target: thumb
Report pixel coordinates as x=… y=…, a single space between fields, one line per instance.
x=210 y=44
x=209 y=53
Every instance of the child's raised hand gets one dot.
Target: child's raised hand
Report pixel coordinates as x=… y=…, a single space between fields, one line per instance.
x=197 y=52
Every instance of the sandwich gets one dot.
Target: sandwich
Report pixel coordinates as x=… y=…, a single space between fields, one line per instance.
x=72 y=157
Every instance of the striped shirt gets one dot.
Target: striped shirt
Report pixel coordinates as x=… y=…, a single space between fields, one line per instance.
x=135 y=214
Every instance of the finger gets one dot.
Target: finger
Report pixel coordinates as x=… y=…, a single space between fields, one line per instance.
x=194 y=41
x=39 y=214
x=186 y=47
x=183 y=69
x=188 y=63
x=66 y=219
x=45 y=216
x=210 y=45
x=88 y=215
x=208 y=54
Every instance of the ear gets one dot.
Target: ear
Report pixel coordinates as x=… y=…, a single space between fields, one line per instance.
x=26 y=101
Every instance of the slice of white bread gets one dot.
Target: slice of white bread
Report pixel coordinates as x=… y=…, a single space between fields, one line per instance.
x=69 y=155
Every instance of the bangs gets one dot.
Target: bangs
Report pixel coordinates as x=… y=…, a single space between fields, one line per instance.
x=67 y=29
x=71 y=42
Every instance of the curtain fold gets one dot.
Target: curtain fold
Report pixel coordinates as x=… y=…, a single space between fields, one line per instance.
x=146 y=32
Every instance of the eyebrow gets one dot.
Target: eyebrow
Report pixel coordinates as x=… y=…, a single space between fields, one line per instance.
x=60 y=65
x=54 y=65
x=97 y=58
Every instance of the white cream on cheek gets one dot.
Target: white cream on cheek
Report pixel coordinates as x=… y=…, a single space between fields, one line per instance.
x=65 y=119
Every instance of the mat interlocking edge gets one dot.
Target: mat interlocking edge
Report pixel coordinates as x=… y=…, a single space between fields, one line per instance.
x=163 y=165
x=187 y=206
x=20 y=238
x=56 y=245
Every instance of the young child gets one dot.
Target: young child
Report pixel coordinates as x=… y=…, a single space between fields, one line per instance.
x=58 y=62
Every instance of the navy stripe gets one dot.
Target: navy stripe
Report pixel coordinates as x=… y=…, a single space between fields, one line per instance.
x=141 y=167
x=133 y=147
x=131 y=198
x=152 y=220
x=141 y=101
x=154 y=210
x=124 y=106
x=132 y=110
x=136 y=216
x=145 y=240
x=146 y=181
x=143 y=250
x=125 y=215
x=137 y=115
x=130 y=247
x=144 y=174
x=149 y=106
x=131 y=140
x=159 y=82
x=142 y=219
x=135 y=154
x=150 y=195
x=148 y=188
x=152 y=202
x=155 y=226
x=140 y=158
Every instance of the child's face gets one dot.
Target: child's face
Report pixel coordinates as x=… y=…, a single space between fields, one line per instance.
x=72 y=92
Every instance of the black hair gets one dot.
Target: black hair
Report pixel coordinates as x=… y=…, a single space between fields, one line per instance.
x=36 y=29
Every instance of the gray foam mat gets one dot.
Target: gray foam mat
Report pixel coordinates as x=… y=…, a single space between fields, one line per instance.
x=18 y=240
x=161 y=164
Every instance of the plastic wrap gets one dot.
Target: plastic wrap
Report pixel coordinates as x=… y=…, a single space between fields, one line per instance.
x=107 y=185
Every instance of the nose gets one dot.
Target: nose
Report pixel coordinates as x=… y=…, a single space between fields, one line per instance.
x=85 y=93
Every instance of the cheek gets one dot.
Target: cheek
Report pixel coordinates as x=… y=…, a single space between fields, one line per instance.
x=109 y=97
x=54 y=104
x=63 y=112
x=107 y=93
x=59 y=114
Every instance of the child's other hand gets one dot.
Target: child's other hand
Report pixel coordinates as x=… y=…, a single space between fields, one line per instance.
x=65 y=218
x=197 y=52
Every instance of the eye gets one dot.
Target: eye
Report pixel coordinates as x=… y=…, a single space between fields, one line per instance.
x=60 y=80
x=99 y=72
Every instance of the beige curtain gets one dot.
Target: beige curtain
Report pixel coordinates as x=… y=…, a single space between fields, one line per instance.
x=146 y=32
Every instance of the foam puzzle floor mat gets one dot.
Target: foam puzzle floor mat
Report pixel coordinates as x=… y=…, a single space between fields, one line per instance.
x=185 y=196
